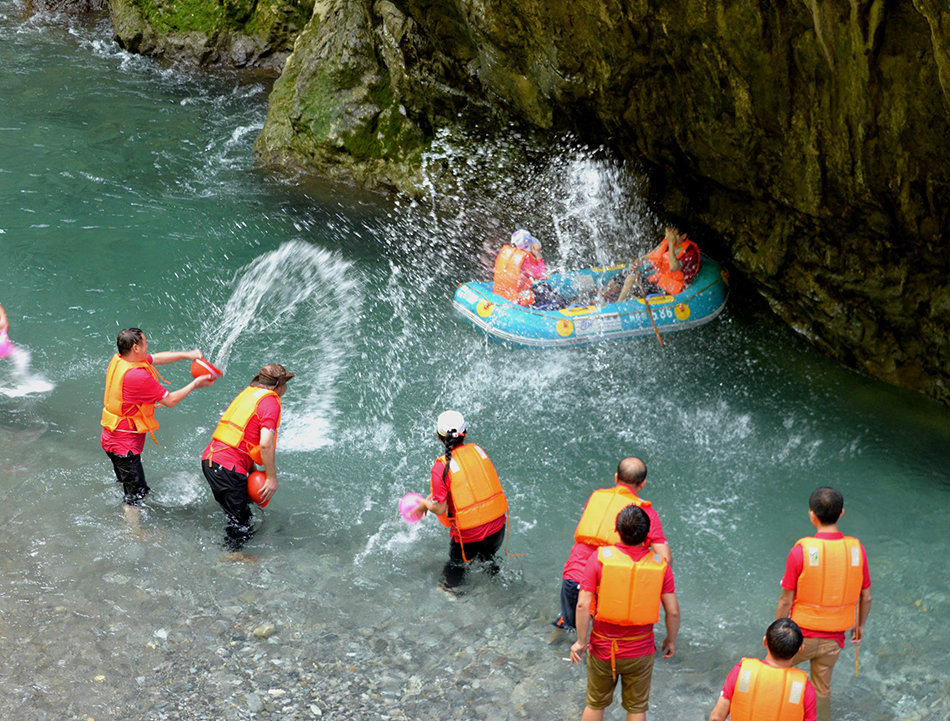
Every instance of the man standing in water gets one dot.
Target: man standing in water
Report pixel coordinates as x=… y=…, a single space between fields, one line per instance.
x=624 y=586
x=246 y=435
x=596 y=528
x=769 y=689
x=468 y=499
x=133 y=392
x=827 y=590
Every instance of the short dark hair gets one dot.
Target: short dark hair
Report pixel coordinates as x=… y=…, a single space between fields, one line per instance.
x=631 y=471
x=633 y=525
x=827 y=504
x=128 y=338
x=784 y=639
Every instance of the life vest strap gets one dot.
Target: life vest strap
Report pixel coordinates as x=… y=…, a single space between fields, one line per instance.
x=615 y=646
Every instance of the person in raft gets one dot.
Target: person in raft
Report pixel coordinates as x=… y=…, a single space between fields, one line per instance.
x=597 y=527
x=769 y=689
x=827 y=590
x=667 y=269
x=466 y=496
x=133 y=391
x=518 y=268
x=246 y=435
x=623 y=587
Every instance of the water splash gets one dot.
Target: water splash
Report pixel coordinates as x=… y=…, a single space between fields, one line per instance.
x=17 y=378
x=299 y=306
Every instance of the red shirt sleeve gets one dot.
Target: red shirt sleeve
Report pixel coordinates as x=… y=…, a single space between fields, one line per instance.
x=656 y=528
x=729 y=687
x=867 y=574
x=793 y=568
x=268 y=410
x=591 y=579
x=440 y=488
x=668 y=585
x=811 y=707
x=138 y=386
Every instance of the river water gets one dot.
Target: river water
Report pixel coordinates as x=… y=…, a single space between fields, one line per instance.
x=130 y=198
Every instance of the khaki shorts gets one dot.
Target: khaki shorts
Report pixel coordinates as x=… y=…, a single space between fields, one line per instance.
x=635 y=675
x=823 y=654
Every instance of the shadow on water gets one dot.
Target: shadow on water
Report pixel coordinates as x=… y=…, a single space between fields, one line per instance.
x=169 y=226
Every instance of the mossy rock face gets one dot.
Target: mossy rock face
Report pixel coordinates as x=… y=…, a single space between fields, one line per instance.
x=236 y=33
x=809 y=138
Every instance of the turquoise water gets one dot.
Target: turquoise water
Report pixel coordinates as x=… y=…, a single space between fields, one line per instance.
x=129 y=197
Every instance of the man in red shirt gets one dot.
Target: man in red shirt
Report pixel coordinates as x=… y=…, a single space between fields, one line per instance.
x=770 y=689
x=133 y=392
x=246 y=435
x=631 y=476
x=824 y=611
x=629 y=583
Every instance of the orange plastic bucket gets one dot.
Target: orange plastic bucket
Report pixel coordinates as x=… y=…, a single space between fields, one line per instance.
x=202 y=367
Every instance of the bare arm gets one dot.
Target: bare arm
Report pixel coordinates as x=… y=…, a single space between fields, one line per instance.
x=4 y=321
x=672 y=237
x=175 y=397
x=785 y=603
x=672 y=612
x=584 y=600
x=628 y=285
x=268 y=452
x=166 y=357
x=663 y=549
x=864 y=608
x=720 y=710
x=428 y=504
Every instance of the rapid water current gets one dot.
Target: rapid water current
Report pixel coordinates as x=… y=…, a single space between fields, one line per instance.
x=129 y=197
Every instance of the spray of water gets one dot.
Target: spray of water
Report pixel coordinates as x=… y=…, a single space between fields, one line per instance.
x=297 y=305
x=16 y=377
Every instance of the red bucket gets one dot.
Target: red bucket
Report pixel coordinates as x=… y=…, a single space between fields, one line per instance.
x=203 y=367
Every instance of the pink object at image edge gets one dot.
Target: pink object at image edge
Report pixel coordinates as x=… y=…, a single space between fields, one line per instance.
x=6 y=347
x=407 y=504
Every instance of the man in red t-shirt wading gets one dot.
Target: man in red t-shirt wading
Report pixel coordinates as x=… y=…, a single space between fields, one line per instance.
x=826 y=590
x=246 y=437
x=133 y=392
x=624 y=586
x=596 y=528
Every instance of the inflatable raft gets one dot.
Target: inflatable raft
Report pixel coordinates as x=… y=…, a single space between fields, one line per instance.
x=588 y=320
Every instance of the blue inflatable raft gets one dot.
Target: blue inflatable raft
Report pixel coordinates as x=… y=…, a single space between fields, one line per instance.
x=588 y=321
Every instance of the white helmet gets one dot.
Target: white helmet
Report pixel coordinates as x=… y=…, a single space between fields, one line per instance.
x=450 y=423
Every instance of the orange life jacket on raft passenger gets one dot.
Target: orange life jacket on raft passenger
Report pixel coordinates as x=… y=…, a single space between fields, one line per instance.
x=597 y=526
x=510 y=283
x=144 y=414
x=768 y=693
x=629 y=591
x=233 y=423
x=672 y=281
x=477 y=496
x=829 y=586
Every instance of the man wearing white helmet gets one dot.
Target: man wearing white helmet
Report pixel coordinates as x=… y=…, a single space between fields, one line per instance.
x=467 y=498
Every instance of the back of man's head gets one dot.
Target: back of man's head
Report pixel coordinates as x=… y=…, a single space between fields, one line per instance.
x=633 y=525
x=827 y=504
x=783 y=639
x=632 y=471
x=128 y=337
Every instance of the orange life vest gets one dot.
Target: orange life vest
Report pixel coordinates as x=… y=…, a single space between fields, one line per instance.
x=766 y=693
x=597 y=526
x=629 y=591
x=233 y=423
x=830 y=584
x=510 y=283
x=144 y=414
x=476 y=492
x=672 y=281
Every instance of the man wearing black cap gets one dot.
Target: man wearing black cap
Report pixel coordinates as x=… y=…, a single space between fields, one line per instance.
x=246 y=435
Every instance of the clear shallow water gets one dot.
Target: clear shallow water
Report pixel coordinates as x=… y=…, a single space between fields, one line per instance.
x=128 y=196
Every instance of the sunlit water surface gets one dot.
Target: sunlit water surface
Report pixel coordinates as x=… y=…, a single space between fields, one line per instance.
x=130 y=198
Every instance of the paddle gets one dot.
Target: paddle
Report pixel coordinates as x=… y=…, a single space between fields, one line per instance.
x=646 y=302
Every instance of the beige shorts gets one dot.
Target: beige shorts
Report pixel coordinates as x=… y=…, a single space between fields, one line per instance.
x=635 y=675
x=823 y=654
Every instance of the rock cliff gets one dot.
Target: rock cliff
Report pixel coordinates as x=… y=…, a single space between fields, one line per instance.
x=234 y=33
x=809 y=135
